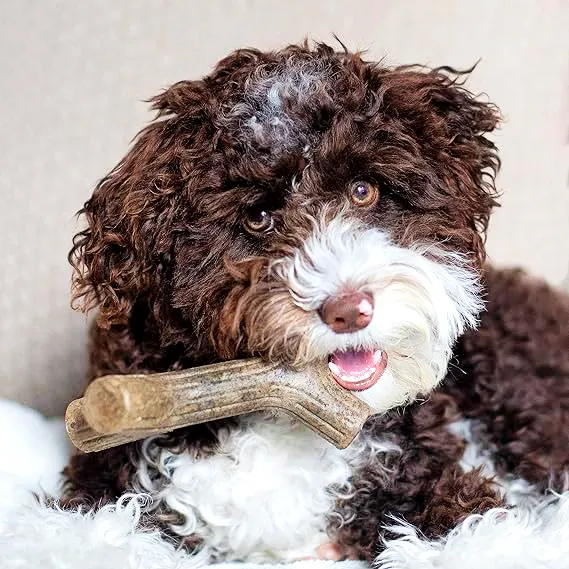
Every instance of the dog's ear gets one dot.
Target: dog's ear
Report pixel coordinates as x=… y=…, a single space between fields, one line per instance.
x=130 y=215
x=453 y=125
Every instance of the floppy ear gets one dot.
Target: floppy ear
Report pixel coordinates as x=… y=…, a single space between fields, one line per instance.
x=130 y=216
x=453 y=125
x=475 y=160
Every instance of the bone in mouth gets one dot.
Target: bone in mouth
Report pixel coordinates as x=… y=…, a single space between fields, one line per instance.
x=117 y=409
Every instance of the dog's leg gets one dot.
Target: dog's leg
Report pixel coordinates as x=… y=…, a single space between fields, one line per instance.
x=434 y=511
x=452 y=499
x=423 y=485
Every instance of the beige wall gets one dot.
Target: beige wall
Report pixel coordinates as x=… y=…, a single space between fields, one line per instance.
x=73 y=74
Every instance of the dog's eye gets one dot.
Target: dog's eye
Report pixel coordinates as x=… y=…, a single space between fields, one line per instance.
x=259 y=221
x=363 y=194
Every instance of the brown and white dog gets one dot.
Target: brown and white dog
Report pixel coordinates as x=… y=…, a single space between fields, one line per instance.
x=307 y=205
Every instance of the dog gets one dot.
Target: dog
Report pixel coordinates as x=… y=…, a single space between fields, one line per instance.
x=307 y=205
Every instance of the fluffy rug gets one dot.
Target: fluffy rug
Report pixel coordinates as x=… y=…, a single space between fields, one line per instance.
x=32 y=535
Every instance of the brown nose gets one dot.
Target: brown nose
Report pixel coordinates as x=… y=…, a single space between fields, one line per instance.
x=348 y=312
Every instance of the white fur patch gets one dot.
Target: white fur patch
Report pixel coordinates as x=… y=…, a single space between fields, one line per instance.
x=522 y=538
x=34 y=454
x=516 y=491
x=267 y=492
x=35 y=536
x=420 y=305
x=262 y=115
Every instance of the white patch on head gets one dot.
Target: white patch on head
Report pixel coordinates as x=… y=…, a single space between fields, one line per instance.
x=266 y=494
x=515 y=491
x=263 y=115
x=421 y=305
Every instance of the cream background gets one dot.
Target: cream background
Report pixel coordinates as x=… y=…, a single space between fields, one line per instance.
x=73 y=75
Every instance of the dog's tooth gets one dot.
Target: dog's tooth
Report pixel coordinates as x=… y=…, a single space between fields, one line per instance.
x=335 y=369
x=378 y=354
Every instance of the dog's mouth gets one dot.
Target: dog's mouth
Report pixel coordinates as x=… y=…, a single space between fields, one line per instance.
x=357 y=370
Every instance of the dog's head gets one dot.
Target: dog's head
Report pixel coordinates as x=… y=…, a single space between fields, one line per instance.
x=302 y=205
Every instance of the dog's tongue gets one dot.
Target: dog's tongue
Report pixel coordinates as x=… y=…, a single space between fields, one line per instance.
x=357 y=370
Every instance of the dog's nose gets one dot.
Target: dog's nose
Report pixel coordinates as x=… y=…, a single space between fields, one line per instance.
x=348 y=312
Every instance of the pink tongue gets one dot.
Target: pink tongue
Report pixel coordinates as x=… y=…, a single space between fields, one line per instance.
x=357 y=371
x=353 y=363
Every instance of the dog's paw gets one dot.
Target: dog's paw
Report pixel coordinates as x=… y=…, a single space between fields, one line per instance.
x=329 y=551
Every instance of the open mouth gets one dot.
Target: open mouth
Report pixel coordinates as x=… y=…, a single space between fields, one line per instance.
x=357 y=370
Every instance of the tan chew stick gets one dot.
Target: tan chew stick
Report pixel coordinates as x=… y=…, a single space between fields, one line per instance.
x=121 y=408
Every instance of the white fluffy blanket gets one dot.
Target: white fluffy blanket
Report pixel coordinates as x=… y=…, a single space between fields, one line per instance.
x=33 y=451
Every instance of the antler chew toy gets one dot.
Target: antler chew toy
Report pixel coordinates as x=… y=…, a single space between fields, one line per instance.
x=121 y=408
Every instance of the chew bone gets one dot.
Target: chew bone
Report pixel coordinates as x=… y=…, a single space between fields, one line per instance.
x=121 y=408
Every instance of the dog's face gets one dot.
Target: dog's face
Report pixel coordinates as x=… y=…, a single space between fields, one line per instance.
x=302 y=206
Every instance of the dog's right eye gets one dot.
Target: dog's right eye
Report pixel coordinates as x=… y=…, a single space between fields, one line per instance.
x=363 y=194
x=259 y=221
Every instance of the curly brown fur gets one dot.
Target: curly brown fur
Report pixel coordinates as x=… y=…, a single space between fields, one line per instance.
x=179 y=281
x=520 y=364
x=162 y=220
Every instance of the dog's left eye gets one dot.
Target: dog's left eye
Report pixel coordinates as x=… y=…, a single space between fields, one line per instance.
x=363 y=194
x=259 y=221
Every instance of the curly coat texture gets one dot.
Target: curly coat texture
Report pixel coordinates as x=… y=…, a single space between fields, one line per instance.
x=161 y=221
x=177 y=281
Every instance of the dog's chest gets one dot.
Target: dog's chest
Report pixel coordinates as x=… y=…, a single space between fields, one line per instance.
x=266 y=494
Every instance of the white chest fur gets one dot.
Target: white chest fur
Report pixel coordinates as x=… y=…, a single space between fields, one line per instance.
x=266 y=493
